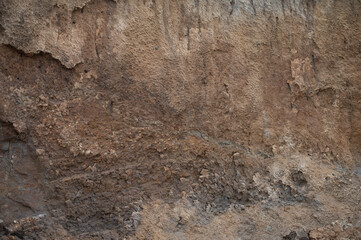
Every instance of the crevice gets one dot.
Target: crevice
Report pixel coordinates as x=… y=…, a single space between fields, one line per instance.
x=2 y=29
x=253 y=7
x=226 y=88
x=38 y=53
x=4 y=231
x=188 y=39
x=199 y=22
x=95 y=40
x=154 y=5
x=18 y=234
x=289 y=87
x=314 y=67
x=81 y=8
x=111 y=106
x=204 y=79
x=96 y=48
x=232 y=7
x=283 y=7
x=166 y=29
x=21 y=203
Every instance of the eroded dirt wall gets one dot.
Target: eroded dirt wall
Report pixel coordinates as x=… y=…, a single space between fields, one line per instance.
x=159 y=119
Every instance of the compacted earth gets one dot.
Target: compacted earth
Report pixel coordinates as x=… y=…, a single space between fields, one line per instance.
x=180 y=119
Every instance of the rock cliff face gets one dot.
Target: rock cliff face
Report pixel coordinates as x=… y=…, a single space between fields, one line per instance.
x=188 y=119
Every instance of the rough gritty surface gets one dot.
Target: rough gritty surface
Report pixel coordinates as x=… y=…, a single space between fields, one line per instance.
x=157 y=119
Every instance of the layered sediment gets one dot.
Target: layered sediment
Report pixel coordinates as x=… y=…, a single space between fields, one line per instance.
x=192 y=119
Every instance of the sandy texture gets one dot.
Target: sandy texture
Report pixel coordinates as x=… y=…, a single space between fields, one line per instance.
x=188 y=119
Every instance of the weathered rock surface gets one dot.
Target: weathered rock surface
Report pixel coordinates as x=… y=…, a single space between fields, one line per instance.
x=190 y=119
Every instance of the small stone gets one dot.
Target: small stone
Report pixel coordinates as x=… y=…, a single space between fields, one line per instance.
x=204 y=173
x=183 y=179
x=40 y=151
x=68 y=202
